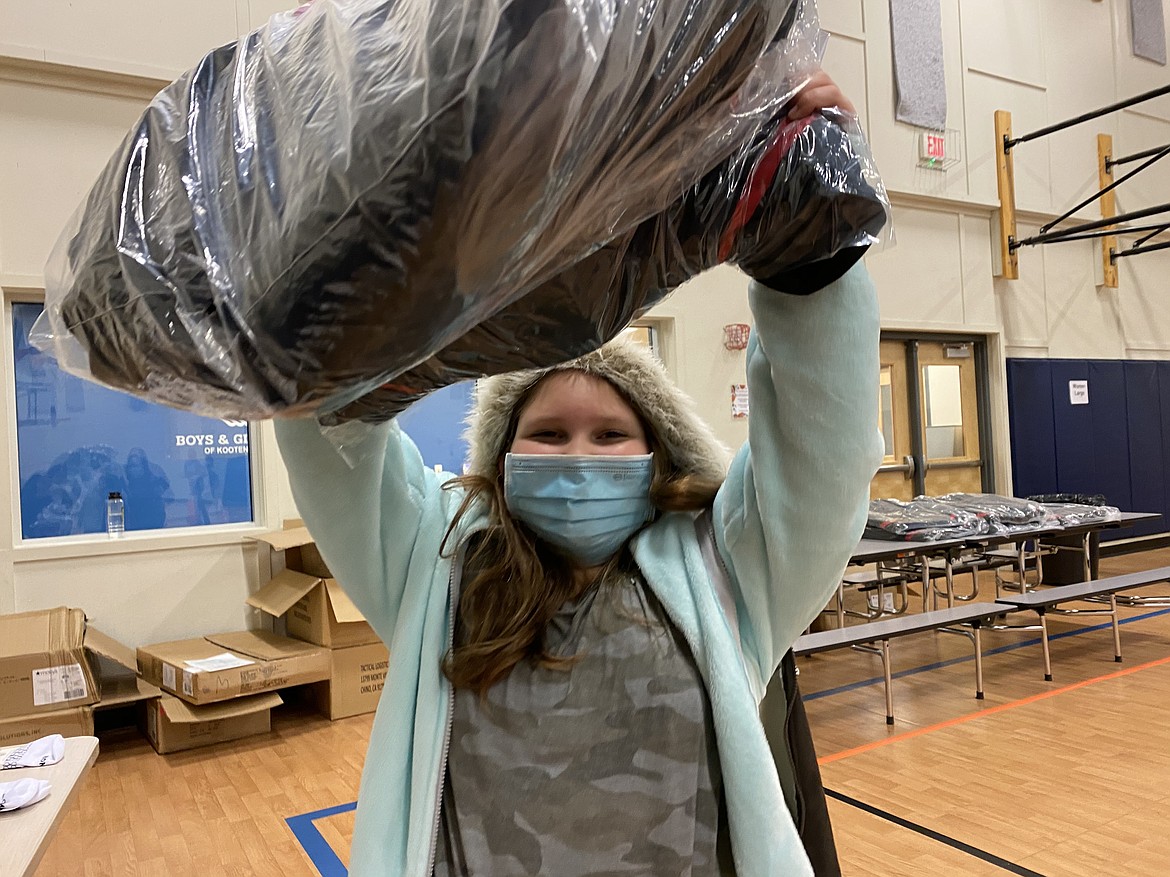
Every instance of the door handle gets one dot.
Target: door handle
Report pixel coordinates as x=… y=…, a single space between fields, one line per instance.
x=907 y=467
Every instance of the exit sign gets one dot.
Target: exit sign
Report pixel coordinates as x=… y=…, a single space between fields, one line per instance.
x=932 y=149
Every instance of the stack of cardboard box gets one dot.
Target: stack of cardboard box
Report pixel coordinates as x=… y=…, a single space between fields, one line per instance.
x=222 y=686
x=305 y=597
x=55 y=671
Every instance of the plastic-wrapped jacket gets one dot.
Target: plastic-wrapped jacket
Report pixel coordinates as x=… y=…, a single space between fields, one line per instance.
x=326 y=203
x=796 y=194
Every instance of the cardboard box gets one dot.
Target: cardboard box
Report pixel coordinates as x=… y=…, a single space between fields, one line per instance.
x=76 y=722
x=300 y=552
x=172 y=725
x=355 y=683
x=115 y=667
x=231 y=665
x=312 y=603
x=43 y=667
x=112 y=666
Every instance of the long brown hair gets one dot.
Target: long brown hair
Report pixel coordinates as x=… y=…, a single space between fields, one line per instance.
x=514 y=583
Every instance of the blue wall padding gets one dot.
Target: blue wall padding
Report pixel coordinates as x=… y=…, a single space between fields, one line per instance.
x=1147 y=441
x=1110 y=424
x=1075 y=458
x=1033 y=438
x=1118 y=445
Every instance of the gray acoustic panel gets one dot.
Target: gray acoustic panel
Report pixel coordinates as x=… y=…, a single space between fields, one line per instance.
x=1147 y=23
x=918 y=63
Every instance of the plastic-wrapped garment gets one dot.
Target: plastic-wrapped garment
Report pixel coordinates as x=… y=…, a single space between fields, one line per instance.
x=798 y=192
x=1004 y=514
x=1071 y=514
x=1074 y=498
x=923 y=519
x=323 y=205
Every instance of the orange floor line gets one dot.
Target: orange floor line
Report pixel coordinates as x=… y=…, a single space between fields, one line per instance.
x=958 y=720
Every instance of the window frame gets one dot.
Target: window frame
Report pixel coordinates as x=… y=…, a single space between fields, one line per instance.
x=263 y=460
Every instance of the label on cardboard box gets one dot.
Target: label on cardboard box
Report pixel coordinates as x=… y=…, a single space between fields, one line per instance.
x=226 y=661
x=168 y=676
x=58 y=684
x=188 y=684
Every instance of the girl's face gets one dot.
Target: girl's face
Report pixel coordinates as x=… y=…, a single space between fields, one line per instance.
x=571 y=412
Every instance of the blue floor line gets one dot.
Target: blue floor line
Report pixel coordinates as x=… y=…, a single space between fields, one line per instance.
x=322 y=856
x=878 y=680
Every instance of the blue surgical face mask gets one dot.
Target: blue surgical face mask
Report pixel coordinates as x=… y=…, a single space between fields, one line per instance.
x=587 y=506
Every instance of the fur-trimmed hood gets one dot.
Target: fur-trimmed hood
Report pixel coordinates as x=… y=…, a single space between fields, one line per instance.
x=630 y=367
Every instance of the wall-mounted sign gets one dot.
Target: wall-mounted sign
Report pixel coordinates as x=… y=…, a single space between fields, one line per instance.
x=1078 y=392
x=739 y=401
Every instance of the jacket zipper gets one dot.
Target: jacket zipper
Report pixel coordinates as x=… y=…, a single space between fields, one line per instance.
x=789 y=704
x=453 y=584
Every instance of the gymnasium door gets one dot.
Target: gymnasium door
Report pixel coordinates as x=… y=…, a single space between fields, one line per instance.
x=932 y=417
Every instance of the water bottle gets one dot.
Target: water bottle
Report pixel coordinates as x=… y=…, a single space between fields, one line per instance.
x=115 y=515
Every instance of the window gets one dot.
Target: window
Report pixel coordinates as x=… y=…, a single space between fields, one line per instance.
x=77 y=442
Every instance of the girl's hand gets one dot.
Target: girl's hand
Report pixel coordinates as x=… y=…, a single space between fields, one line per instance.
x=820 y=93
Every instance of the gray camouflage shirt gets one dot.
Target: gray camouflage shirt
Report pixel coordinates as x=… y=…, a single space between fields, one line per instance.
x=607 y=768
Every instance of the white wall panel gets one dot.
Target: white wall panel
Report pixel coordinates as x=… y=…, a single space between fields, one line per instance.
x=1074 y=32
x=1084 y=321
x=1029 y=108
x=704 y=369
x=162 y=37
x=843 y=16
x=919 y=280
x=977 y=281
x=53 y=144
x=1151 y=187
x=1144 y=299
x=1003 y=38
x=150 y=597
x=1138 y=75
x=1021 y=303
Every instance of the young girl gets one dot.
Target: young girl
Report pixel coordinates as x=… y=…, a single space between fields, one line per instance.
x=569 y=691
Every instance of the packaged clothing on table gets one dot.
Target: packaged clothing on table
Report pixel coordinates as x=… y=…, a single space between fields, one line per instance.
x=1071 y=514
x=326 y=204
x=1004 y=514
x=923 y=519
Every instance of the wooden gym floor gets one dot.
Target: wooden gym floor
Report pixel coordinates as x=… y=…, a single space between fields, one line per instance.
x=1069 y=777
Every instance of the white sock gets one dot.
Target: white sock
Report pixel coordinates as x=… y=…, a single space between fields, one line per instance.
x=38 y=753
x=22 y=793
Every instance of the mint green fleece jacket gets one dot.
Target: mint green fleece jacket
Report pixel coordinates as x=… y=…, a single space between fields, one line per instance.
x=786 y=521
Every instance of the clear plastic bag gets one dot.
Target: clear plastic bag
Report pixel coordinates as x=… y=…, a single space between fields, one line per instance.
x=1071 y=514
x=354 y=192
x=922 y=519
x=823 y=197
x=1004 y=514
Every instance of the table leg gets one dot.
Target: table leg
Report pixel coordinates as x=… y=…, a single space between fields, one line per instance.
x=978 y=664
x=1116 y=629
x=1044 y=644
x=889 y=682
